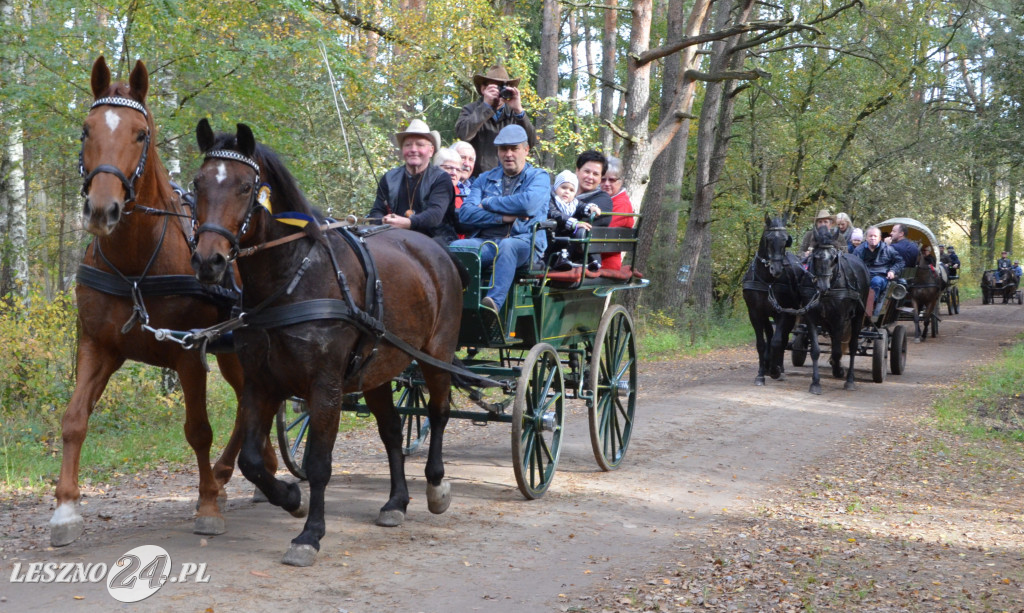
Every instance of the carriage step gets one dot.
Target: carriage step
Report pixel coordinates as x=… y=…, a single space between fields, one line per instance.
x=906 y=309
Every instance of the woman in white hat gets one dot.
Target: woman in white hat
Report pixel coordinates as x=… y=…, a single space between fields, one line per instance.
x=417 y=195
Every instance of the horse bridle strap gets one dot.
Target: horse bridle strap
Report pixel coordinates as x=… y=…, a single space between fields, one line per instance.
x=128 y=183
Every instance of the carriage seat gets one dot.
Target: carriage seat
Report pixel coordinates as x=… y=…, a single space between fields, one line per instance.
x=600 y=240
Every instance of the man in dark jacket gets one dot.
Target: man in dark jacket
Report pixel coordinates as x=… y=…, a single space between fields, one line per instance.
x=499 y=106
x=417 y=196
x=882 y=261
x=1003 y=266
x=903 y=245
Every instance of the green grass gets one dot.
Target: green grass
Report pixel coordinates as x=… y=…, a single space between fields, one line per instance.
x=135 y=427
x=990 y=403
x=661 y=338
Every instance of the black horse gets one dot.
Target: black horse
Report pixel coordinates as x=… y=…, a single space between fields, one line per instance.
x=836 y=290
x=772 y=281
x=317 y=324
x=992 y=286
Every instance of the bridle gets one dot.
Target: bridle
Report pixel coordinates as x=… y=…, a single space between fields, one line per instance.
x=833 y=258
x=128 y=183
x=773 y=257
x=233 y=238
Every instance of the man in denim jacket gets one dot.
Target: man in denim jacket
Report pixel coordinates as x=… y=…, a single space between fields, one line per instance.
x=502 y=209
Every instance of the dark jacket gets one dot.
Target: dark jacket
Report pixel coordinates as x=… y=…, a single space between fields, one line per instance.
x=433 y=203
x=880 y=261
x=566 y=224
x=908 y=249
x=603 y=202
x=479 y=124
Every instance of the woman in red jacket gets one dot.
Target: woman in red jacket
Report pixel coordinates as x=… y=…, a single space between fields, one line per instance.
x=611 y=183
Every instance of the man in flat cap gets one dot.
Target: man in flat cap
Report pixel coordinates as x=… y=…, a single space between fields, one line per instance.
x=499 y=106
x=417 y=195
x=502 y=209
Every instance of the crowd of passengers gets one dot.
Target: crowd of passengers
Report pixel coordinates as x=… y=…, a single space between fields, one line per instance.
x=886 y=257
x=482 y=195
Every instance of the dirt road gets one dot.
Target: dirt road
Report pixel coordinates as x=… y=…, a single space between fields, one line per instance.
x=707 y=446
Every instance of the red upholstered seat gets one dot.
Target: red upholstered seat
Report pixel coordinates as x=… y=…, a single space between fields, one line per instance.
x=567 y=276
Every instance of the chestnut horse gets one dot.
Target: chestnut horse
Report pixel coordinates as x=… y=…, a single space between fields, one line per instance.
x=318 y=326
x=925 y=291
x=134 y=274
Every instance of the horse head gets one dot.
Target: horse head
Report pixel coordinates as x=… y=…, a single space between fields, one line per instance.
x=226 y=198
x=774 y=241
x=824 y=260
x=116 y=140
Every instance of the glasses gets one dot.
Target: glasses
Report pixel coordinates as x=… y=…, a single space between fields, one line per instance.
x=450 y=168
x=607 y=179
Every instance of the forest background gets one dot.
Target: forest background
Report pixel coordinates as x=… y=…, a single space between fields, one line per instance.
x=722 y=111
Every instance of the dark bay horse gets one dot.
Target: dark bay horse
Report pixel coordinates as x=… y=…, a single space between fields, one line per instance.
x=925 y=291
x=772 y=281
x=834 y=291
x=310 y=314
x=134 y=274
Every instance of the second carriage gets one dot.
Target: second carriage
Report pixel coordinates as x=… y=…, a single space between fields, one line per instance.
x=558 y=337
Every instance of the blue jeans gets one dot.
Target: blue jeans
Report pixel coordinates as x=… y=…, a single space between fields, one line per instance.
x=878 y=284
x=513 y=253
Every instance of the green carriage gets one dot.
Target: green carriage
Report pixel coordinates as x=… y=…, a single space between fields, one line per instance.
x=558 y=337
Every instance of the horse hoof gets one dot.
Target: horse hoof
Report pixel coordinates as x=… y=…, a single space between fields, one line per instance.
x=850 y=385
x=390 y=519
x=303 y=509
x=917 y=339
x=300 y=555
x=258 y=495
x=439 y=497
x=65 y=526
x=209 y=525
x=758 y=381
x=815 y=389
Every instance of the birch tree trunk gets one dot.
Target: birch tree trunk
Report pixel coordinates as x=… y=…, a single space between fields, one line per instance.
x=13 y=204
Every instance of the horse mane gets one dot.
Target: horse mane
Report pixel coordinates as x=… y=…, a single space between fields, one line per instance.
x=285 y=193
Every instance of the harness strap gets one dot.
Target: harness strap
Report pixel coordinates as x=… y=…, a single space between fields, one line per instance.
x=162 y=285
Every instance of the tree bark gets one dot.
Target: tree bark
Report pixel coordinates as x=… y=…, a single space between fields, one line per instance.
x=608 y=45
x=1011 y=217
x=713 y=133
x=13 y=203
x=547 y=76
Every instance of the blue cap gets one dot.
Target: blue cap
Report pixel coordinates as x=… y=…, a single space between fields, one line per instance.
x=511 y=135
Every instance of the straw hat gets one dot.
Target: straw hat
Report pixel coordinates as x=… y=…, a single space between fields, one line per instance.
x=494 y=74
x=824 y=214
x=418 y=127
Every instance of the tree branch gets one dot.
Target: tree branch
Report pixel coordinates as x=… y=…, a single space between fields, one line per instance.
x=335 y=8
x=728 y=75
x=620 y=132
x=655 y=54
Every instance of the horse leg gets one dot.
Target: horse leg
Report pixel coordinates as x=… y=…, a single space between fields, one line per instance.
x=92 y=372
x=224 y=467
x=777 y=349
x=200 y=437
x=439 y=491
x=323 y=433
x=257 y=409
x=917 y=320
x=835 y=359
x=389 y=426
x=854 y=347
x=812 y=332
x=762 y=350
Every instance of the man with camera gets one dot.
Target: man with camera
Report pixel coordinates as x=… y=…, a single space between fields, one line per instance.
x=499 y=106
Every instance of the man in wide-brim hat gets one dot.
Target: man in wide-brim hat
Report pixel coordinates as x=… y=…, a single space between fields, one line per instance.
x=499 y=105
x=823 y=218
x=417 y=195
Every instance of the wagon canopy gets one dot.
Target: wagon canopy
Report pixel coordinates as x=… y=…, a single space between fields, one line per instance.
x=915 y=231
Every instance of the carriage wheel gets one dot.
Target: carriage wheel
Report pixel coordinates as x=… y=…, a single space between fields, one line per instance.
x=414 y=427
x=955 y=300
x=798 y=355
x=878 y=365
x=898 y=350
x=538 y=420
x=613 y=384
x=292 y=434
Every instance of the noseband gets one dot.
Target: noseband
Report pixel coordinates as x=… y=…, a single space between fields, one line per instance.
x=129 y=184
x=227 y=154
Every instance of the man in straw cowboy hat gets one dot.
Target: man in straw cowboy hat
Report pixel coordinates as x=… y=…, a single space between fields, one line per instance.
x=499 y=105
x=823 y=218
x=417 y=195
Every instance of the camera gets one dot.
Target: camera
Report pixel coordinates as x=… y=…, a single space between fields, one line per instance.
x=505 y=93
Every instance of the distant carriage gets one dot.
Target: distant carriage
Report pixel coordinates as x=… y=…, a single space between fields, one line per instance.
x=925 y=284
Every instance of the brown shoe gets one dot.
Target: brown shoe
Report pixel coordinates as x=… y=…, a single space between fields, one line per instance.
x=488 y=302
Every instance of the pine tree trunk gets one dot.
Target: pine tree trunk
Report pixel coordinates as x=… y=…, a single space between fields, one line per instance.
x=1011 y=218
x=608 y=59
x=547 y=76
